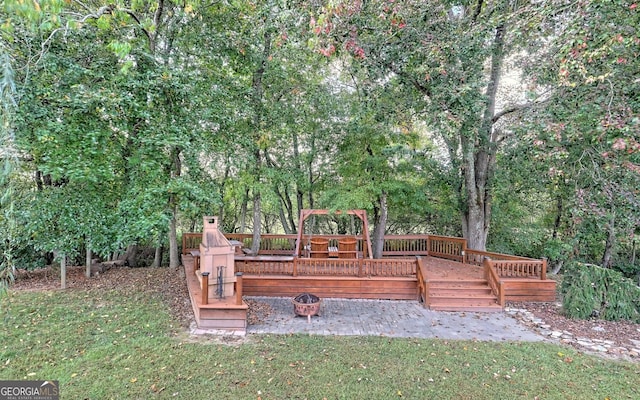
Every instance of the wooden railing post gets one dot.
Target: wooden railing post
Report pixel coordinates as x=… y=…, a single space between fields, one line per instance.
x=543 y=269
x=464 y=251
x=360 y=268
x=205 y=288
x=238 y=288
x=295 y=266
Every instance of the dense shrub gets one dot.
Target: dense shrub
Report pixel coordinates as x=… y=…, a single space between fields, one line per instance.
x=591 y=291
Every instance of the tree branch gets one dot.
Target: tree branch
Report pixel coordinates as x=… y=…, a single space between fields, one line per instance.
x=515 y=108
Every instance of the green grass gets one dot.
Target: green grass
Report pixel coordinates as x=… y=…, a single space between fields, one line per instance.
x=102 y=344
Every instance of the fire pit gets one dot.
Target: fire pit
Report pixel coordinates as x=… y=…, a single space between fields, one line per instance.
x=306 y=305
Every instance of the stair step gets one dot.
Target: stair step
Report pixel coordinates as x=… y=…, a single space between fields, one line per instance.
x=463 y=295
x=459 y=282
x=462 y=302
x=447 y=291
x=472 y=295
x=468 y=308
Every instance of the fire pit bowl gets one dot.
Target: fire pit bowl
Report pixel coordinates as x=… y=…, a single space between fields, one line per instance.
x=306 y=305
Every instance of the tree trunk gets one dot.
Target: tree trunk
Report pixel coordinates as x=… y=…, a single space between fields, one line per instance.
x=556 y=268
x=380 y=217
x=227 y=172
x=283 y=221
x=607 y=257
x=299 y=191
x=130 y=255
x=558 y=220
x=87 y=260
x=157 y=257
x=479 y=158
x=63 y=271
x=174 y=255
x=243 y=211
x=257 y=223
x=258 y=94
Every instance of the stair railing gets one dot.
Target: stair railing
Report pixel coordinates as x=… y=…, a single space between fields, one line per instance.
x=497 y=286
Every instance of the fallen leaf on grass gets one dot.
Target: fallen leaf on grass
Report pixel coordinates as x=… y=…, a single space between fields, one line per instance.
x=155 y=389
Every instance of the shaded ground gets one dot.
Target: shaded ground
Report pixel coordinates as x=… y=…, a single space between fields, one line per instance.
x=170 y=285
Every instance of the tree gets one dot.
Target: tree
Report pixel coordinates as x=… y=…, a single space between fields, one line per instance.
x=441 y=53
x=588 y=132
x=8 y=158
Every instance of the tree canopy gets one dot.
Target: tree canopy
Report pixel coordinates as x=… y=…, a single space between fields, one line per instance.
x=512 y=123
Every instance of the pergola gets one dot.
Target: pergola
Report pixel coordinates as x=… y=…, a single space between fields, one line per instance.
x=362 y=214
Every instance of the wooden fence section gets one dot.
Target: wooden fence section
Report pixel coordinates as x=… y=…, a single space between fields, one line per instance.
x=273 y=265
x=394 y=245
x=446 y=247
x=476 y=257
x=452 y=248
x=508 y=266
x=273 y=244
x=191 y=242
x=405 y=245
x=532 y=269
x=265 y=265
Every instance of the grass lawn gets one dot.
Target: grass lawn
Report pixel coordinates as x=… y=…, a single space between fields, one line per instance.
x=121 y=344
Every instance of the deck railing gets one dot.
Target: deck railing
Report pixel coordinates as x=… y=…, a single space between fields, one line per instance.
x=394 y=245
x=520 y=268
x=405 y=245
x=423 y=283
x=451 y=248
x=507 y=266
x=494 y=281
x=191 y=241
x=261 y=266
x=397 y=267
x=476 y=257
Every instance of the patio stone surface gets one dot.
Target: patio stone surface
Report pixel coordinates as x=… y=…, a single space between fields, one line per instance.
x=390 y=318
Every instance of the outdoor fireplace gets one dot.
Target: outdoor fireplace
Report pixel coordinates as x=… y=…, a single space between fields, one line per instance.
x=216 y=258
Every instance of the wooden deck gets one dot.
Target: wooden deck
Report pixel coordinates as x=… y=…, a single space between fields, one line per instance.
x=437 y=270
x=449 y=285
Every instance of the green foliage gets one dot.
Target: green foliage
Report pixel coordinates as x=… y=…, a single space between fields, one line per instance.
x=631 y=271
x=591 y=291
x=8 y=162
x=131 y=117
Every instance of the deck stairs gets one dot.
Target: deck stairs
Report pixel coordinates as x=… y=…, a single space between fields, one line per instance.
x=471 y=295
